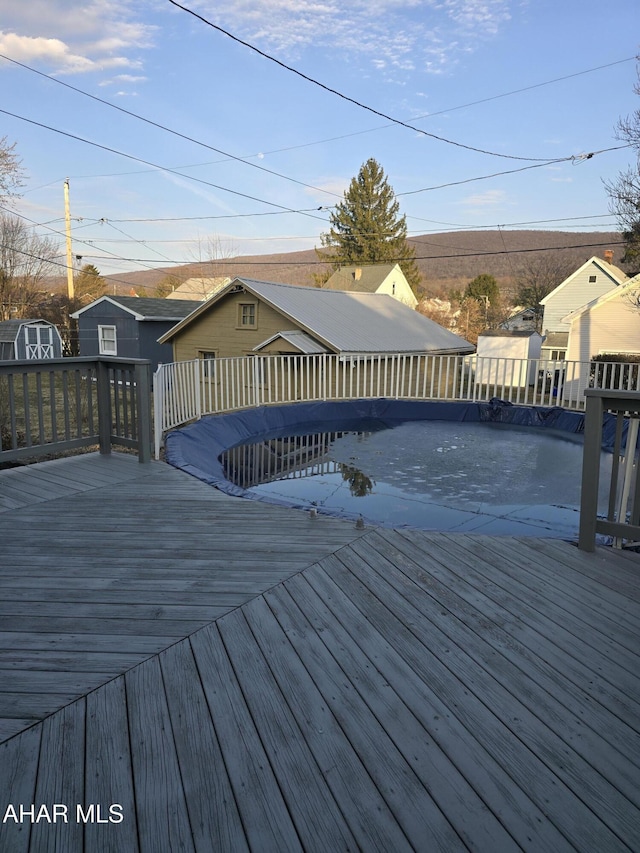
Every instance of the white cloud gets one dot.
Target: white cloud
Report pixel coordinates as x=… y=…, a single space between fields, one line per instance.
x=62 y=38
x=490 y=198
x=393 y=35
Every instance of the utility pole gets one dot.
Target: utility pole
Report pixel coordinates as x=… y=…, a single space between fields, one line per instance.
x=67 y=219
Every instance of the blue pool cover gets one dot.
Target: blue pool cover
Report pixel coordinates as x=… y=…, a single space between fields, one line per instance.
x=198 y=447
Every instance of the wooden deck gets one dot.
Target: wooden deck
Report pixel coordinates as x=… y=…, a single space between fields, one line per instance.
x=230 y=676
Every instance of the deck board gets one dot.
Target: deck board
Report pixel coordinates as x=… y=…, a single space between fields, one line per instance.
x=244 y=677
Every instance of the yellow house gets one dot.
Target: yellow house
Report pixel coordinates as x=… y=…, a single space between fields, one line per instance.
x=248 y=317
x=265 y=320
x=373 y=278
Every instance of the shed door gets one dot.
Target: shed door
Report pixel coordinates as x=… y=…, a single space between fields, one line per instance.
x=38 y=341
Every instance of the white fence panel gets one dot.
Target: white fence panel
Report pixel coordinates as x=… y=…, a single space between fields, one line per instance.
x=185 y=391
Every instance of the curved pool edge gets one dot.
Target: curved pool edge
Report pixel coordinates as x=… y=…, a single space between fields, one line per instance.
x=196 y=448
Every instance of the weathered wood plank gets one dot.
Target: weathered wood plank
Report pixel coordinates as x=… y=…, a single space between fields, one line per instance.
x=613 y=663
x=61 y=779
x=365 y=809
x=478 y=623
x=161 y=810
x=32 y=706
x=18 y=774
x=82 y=643
x=108 y=774
x=552 y=766
x=314 y=811
x=215 y=820
x=111 y=663
x=455 y=768
x=366 y=725
x=267 y=823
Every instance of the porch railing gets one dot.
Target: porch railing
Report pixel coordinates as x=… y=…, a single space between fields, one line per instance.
x=57 y=405
x=623 y=515
x=185 y=391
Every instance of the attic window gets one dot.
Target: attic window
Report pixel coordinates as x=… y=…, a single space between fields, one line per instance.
x=247 y=315
x=592 y=279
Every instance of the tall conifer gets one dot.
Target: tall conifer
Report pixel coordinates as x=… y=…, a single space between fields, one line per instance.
x=366 y=227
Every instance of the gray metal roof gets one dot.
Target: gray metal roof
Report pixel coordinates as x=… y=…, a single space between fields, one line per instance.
x=296 y=338
x=147 y=308
x=347 y=322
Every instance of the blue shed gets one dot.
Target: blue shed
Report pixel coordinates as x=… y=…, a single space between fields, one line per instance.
x=129 y=326
x=29 y=339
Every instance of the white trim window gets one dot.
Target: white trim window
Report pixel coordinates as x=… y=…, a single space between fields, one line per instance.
x=107 y=340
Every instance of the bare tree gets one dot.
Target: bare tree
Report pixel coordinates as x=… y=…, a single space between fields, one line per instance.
x=539 y=275
x=11 y=173
x=624 y=192
x=26 y=260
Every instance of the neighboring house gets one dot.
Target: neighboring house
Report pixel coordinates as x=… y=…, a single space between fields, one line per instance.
x=373 y=278
x=129 y=326
x=29 y=339
x=249 y=317
x=199 y=289
x=523 y=320
x=609 y=324
x=593 y=279
x=501 y=356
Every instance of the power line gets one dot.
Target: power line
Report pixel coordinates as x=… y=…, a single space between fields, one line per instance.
x=153 y=165
x=168 y=129
x=243 y=260
x=352 y=100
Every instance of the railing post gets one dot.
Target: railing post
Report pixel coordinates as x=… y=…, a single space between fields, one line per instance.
x=104 y=406
x=590 y=472
x=143 y=405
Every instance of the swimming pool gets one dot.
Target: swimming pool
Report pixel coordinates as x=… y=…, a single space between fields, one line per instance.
x=490 y=468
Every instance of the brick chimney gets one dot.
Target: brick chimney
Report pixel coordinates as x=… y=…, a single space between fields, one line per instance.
x=608 y=256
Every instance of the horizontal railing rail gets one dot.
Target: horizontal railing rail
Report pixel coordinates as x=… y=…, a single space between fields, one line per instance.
x=56 y=405
x=622 y=521
x=185 y=391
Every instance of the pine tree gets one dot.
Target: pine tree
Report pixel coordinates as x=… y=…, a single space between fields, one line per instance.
x=366 y=227
x=89 y=284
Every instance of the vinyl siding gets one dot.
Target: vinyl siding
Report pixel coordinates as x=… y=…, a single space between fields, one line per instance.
x=611 y=327
x=574 y=295
x=217 y=330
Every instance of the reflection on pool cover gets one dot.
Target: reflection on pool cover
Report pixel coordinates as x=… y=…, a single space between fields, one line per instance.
x=432 y=475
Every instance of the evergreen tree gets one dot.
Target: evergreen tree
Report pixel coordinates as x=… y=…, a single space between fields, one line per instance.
x=483 y=285
x=89 y=284
x=366 y=227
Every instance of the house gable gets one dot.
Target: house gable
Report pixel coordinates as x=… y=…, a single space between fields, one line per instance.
x=221 y=329
x=610 y=324
x=343 y=322
x=593 y=279
x=373 y=278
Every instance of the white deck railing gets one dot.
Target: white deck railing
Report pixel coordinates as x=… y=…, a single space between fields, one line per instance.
x=185 y=391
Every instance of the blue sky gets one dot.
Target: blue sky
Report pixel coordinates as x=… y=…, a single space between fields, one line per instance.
x=449 y=68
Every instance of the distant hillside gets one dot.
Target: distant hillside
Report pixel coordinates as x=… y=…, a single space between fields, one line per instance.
x=447 y=260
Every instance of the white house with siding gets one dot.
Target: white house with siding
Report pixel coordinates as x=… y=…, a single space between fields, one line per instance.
x=609 y=324
x=592 y=280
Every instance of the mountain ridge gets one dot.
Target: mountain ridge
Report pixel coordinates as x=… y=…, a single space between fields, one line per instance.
x=447 y=260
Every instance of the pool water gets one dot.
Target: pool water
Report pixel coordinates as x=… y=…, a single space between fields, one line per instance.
x=433 y=475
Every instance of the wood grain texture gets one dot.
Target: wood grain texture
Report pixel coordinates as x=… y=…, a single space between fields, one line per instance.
x=240 y=677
